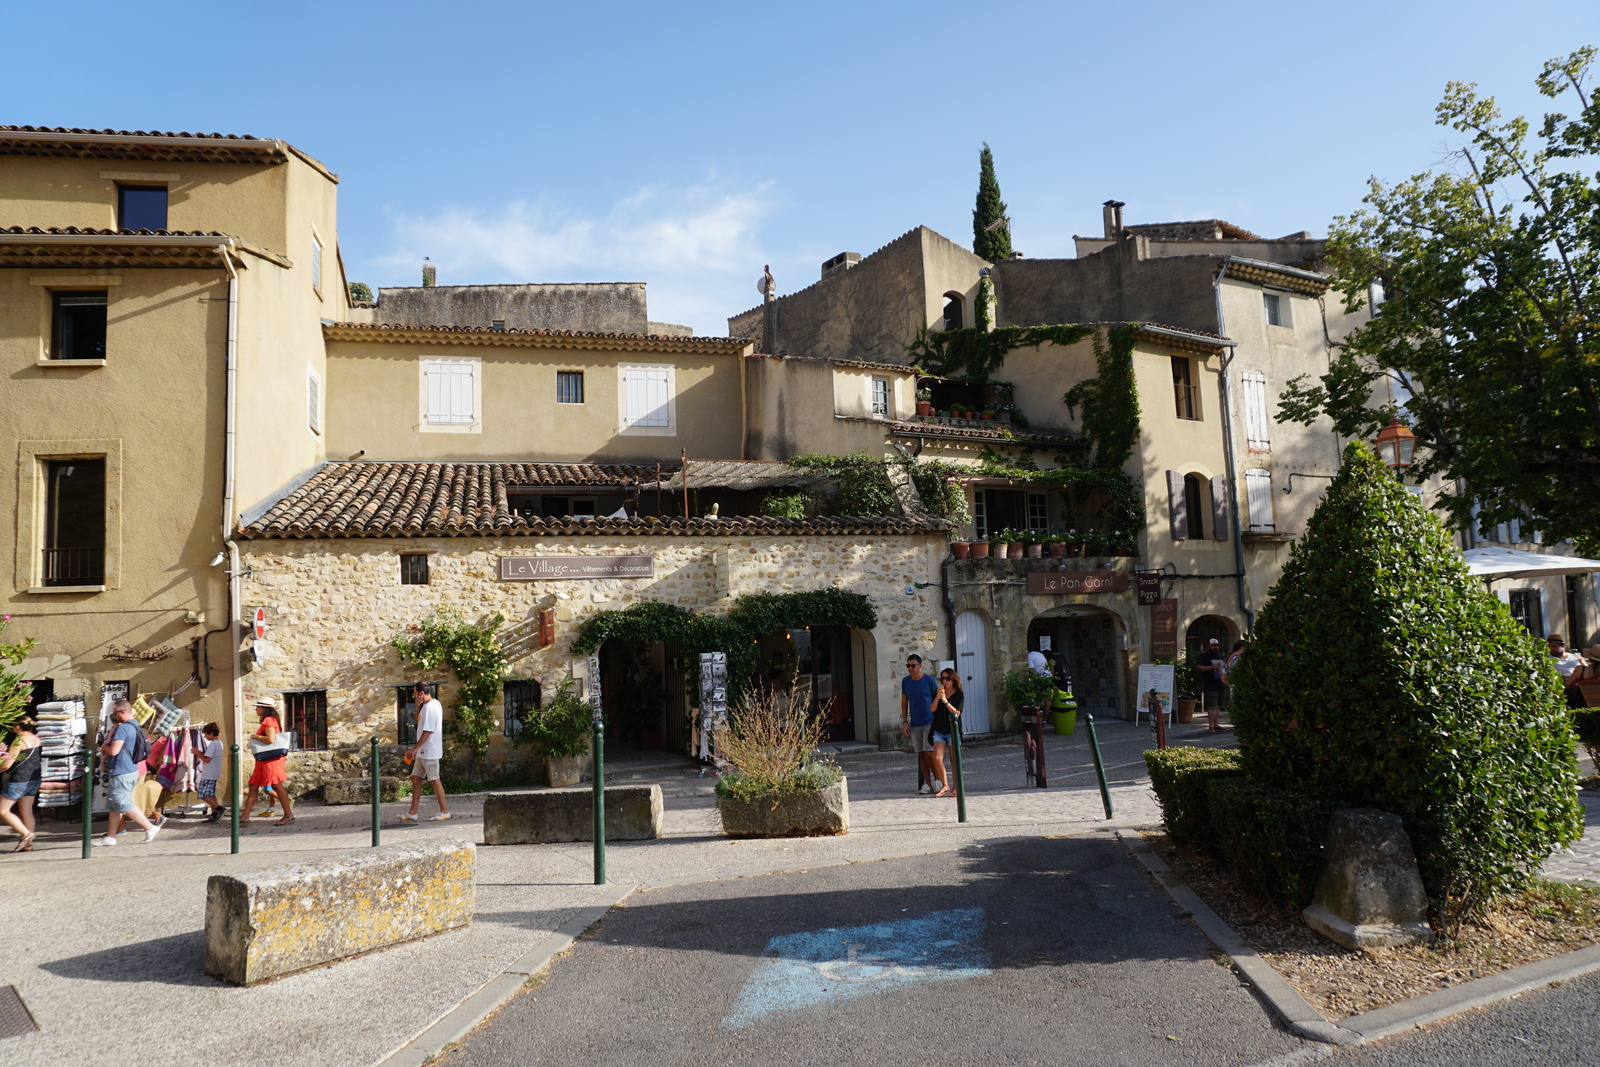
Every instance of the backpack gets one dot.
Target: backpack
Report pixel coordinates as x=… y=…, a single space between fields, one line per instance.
x=141 y=743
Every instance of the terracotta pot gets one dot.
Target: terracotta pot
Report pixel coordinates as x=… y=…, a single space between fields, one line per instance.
x=1185 y=709
x=1014 y=550
x=980 y=550
x=967 y=415
x=1033 y=551
x=959 y=549
x=987 y=416
x=924 y=407
x=1057 y=548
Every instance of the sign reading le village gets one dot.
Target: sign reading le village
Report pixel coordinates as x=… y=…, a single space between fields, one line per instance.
x=535 y=568
x=1077 y=582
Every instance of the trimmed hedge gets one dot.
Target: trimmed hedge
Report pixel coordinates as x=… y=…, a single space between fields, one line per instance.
x=1180 y=778
x=1272 y=838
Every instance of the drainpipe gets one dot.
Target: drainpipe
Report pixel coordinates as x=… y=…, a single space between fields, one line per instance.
x=1227 y=451
x=229 y=451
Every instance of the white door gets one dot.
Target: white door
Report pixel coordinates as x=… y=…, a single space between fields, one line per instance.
x=972 y=660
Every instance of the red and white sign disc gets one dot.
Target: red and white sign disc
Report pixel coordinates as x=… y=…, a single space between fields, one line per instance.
x=261 y=623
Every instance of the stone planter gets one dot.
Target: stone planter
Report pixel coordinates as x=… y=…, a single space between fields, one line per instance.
x=815 y=813
x=960 y=549
x=980 y=550
x=564 y=772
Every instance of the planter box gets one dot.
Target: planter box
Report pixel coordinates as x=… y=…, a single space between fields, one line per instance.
x=816 y=813
x=564 y=772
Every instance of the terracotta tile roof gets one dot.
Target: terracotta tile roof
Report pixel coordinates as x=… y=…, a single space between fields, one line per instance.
x=150 y=145
x=73 y=246
x=489 y=336
x=85 y=231
x=375 y=499
x=948 y=432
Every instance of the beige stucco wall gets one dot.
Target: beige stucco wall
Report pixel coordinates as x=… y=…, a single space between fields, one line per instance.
x=376 y=389
x=852 y=391
x=333 y=607
x=792 y=407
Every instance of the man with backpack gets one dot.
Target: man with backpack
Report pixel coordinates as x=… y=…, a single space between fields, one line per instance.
x=125 y=748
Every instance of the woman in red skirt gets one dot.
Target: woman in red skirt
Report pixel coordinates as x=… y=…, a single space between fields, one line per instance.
x=273 y=772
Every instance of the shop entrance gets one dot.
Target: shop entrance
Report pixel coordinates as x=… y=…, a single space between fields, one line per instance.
x=1088 y=644
x=815 y=664
x=642 y=697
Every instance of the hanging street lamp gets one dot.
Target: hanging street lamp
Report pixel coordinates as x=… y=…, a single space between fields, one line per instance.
x=1397 y=445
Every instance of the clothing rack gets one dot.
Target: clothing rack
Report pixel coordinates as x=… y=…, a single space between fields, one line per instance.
x=61 y=727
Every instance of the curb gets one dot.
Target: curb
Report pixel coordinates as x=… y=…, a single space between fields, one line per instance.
x=1307 y=1022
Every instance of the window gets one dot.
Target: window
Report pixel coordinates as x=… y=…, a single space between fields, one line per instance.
x=1185 y=392
x=316 y=263
x=521 y=697
x=497 y=324
x=880 y=396
x=78 y=325
x=1527 y=609
x=1258 y=495
x=413 y=568
x=142 y=207
x=1256 y=419
x=75 y=522
x=1194 y=504
x=1277 y=309
x=313 y=401
x=405 y=726
x=451 y=395
x=980 y=515
x=1038 y=512
x=306 y=716
x=952 y=311
x=647 y=400
x=569 y=387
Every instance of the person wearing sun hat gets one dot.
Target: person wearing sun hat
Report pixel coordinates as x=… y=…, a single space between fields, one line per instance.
x=273 y=772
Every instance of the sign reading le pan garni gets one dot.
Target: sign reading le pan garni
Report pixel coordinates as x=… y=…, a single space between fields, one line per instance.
x=536 y=568
x=1077 y=582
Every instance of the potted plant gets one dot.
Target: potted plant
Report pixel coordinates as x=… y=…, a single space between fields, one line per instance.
x=960 y=549
x=987 y=414
x=1033 y=543
x=559 y=731
x=1186 y=683
x=1025 y=689
x=979 y=550
x=778 y=786
x=1056 y=543
x=924 y=402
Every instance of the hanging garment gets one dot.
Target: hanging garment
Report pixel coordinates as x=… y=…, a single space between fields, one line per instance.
x=177 y=763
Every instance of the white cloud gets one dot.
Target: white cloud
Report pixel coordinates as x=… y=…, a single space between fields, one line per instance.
x=697 y=248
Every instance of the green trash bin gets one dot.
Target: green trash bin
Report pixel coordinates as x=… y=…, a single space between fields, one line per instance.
x=1064 y=711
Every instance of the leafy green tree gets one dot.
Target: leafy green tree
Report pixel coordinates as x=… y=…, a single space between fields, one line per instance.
x=360 y=293
x=1382 y=675
x=14 y=691
x=1491 y=311
x=991 y=237
x=471 y=650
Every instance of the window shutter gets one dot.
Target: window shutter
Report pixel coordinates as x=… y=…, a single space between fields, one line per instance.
x=313 y=402
x=1258 y=493
x=1180 y=514
x=450 y=392
x=647 y=396
x=1257 y=422
x=1219 y=508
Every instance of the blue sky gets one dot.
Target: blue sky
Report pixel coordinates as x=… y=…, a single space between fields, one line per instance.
x=687 y=145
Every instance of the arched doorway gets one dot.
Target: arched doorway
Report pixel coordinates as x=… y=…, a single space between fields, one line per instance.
x=1087 y=641
x=972 y=662
x=1204 y=629
x=816 y=664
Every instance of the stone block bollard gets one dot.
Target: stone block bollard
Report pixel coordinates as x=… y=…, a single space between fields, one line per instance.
x=1370 y=894
x=266 y=924
x=545 y=816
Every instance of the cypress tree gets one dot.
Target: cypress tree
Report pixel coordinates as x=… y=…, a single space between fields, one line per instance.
x=993 y=245
x=1383 y=675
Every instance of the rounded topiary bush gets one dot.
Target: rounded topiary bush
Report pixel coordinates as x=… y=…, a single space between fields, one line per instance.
x=1382 y=675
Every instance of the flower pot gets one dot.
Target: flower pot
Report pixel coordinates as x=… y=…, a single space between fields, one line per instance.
x=1014 y=550
x=564 y=772
x=1057 y=548
x=924 y=408
x=1185 y=709
x=1064 y=721
x=987 y=416
x=968 y=415
x=980 y=550
x=810 y=813
x=960 y=549
x=1033 y=551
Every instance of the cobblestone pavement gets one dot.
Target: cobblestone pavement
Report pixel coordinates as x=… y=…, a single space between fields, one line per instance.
x=1581 y=862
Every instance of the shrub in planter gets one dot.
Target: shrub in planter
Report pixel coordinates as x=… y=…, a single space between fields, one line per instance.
x=1382 y=675
x=1025 y=689
x=559 y=731
x=1180 y=777
x=778 y=786
x=1272 y=838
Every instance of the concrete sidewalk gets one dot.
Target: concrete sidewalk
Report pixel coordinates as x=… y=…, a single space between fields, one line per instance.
x=106 y=953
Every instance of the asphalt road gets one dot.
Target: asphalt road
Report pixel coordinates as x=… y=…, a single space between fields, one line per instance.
x=1032 y=952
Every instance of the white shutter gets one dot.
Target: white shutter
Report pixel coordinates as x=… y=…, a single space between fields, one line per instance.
x=450 y=392
x=1258 y=493
x=647 y=396
x=1177 y=506
x=1257 y=421
x=313 y=401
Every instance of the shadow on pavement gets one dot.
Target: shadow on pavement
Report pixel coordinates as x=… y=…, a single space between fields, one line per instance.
x=174 y=960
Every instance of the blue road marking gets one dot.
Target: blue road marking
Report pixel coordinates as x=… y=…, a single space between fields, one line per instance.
x=798 y=972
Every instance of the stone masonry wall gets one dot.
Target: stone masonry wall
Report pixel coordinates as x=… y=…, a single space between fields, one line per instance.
x=333 y=606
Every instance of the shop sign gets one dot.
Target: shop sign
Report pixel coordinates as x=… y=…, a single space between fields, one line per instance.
x=1044 y=582
x=1164 y=628
x=543 y=568
x=1149 y=586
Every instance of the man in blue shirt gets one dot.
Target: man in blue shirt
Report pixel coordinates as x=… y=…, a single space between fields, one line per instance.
x=916 y=717
x=122 y=774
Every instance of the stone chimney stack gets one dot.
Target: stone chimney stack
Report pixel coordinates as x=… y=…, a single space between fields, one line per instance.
x=769 y=311
x=1113 y=218
x=430 y=274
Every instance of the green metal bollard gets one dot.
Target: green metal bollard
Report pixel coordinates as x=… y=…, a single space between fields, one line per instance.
x=1099 y=765
x=88 y=804
x=599 y=800
x=961 y=782
x=233 y=795
x=377 y=790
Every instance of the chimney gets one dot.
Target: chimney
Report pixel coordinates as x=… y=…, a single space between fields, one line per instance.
x=769 y=312
x=430 y=274
x=842 y=261
x=1113 y=218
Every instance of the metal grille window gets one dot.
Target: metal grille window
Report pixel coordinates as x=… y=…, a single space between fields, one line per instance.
x=1256 y=420
x=880 y=396
x=78 y=325
x=1527 y=609
x=521 y=698
x=405 y=727
x=413 y=568
x=1185 y=392
x=306 y=716
x=569 y=387
x=75 y=522
x=1038 y=512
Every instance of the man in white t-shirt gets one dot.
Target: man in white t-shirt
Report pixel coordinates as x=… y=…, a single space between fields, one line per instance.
x=424 y=756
